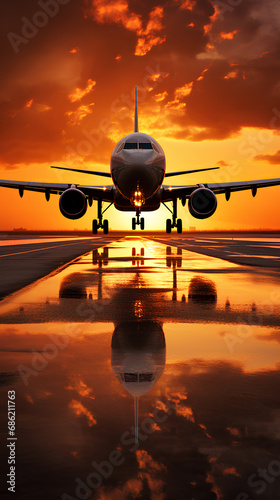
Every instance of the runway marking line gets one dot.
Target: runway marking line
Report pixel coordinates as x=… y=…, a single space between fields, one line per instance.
x=40 y=249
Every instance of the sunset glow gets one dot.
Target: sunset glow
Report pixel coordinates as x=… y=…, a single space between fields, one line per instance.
x=208 y=87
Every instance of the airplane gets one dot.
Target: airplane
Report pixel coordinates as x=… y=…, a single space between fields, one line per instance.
x=137 y=171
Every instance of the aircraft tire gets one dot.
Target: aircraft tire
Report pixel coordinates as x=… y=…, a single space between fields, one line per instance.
x=105 y=226
x=142 y=223
x=168 y=225
x=94 y=226
x=179 y=226
x=133 y=223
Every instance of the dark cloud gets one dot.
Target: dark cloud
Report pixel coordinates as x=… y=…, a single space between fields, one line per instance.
x=274 y=159
x=239 y=49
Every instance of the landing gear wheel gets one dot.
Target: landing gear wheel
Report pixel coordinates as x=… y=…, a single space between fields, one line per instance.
x=133 y=223
x=94 y=226
x=105 y=226
x=179 y=226
x=142 y=223
x=168 y=225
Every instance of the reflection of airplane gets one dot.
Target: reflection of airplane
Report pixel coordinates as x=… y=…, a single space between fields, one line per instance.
x=202 y=291
x=138 y=358
x=137 y=172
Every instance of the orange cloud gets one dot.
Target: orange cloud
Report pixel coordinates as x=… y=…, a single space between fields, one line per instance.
x=80 y=386
x=73 y=51
x=29 y=398
x=78 y=94
x=147 y=37
x=145 y=460
x=79 y=409
x=75 y=117
x=231 y=74
x=184 y=90
x=115 y=11
x=274 y=159
x=185 y=411
x=227 y=36
x=161 y=96
x=187 y=4
x=29 y=103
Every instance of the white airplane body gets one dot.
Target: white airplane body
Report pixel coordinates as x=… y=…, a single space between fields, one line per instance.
x=138 y=169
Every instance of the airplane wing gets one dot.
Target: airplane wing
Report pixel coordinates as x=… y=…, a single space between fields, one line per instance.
x=171 y=192
x=181 y=172
x=92 y=172
x=94 y=192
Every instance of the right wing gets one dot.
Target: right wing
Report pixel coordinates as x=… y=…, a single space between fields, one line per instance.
x=181 y=172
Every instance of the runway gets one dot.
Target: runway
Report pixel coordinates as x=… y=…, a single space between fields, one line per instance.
x=256 y=251
x=22 y=263
x=134 y=333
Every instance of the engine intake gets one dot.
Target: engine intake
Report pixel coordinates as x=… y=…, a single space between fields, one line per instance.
x=73 y=203
x=202 y=203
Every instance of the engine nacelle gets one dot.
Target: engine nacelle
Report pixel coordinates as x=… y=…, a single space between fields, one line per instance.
x=73 y=203
x=202 y=203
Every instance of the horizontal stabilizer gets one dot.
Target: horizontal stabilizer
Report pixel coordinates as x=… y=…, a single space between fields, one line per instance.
x=92 y=172
x=169 y=174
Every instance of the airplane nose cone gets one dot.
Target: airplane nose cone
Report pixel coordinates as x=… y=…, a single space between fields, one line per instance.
x=137 y=158
x=140 y=169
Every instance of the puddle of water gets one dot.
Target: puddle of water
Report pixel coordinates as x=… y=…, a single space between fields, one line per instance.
x=187 y=343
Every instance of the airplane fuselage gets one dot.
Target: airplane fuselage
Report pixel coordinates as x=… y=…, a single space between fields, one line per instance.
x=137 y=170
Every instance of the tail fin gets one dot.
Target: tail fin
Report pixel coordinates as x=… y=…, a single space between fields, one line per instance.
x=136 y=112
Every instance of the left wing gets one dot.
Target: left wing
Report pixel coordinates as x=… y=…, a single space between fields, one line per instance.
x=105 y=192
x=171 y=192
x=92 y=172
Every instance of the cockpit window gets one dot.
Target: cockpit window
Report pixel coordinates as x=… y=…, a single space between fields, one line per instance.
x=130 y=145
x=146 y=377
x=130 y=377
x=145 y=145
x=138 y=377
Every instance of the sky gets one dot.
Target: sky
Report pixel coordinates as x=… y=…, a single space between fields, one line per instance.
x=209 y=93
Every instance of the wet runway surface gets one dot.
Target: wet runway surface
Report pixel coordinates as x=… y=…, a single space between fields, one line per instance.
x=26 y=260
x=144 y=371
x=261 y=252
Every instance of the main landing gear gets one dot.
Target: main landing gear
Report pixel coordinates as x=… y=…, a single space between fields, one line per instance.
x=138 y=221
x=104 y=224
x=174 y=222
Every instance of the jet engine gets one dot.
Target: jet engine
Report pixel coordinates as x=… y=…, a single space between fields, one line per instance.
x=202 y=203
x=73 y=203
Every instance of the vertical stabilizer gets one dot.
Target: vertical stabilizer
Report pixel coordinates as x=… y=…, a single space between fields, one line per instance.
x=136 y=418
x=136 y=112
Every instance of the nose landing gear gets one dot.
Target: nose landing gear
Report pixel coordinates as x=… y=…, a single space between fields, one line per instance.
x=138 y=221
x=174 y=222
